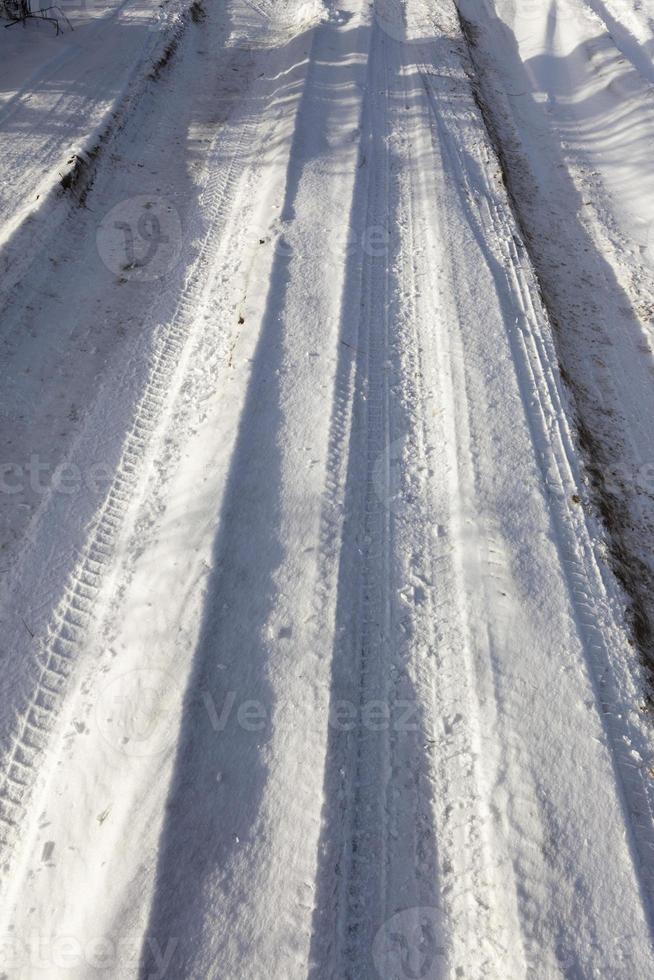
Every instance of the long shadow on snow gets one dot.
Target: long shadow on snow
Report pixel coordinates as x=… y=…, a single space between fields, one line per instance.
x=600 y=434
x=355 y=847
x=220 y=775
x=583 y=298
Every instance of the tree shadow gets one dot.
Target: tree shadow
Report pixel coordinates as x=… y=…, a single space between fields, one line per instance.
x=211 y=824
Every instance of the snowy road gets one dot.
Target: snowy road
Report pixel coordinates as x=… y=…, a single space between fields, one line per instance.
x=318 y=661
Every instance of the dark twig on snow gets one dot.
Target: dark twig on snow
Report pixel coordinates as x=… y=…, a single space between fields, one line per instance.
x=20 y=11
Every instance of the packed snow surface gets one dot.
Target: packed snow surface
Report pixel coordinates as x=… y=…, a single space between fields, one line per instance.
x=327 y=485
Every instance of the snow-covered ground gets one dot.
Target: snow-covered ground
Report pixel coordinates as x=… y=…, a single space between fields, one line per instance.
x=61 y=97
x=568 y=94
x=326 y=530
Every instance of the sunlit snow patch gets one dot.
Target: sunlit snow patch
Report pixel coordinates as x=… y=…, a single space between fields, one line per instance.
x=263 y=23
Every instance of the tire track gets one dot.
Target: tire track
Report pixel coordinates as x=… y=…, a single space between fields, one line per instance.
x=479 y=898
x=404 y=825
x=54 y=660
x=351 y=893
x=592 y=597
x=367 y=766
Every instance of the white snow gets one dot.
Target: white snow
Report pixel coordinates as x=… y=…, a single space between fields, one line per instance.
x=315 y=660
